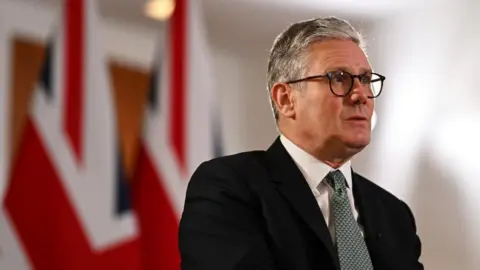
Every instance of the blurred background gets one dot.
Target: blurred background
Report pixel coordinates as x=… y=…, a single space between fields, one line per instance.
x=107 y=107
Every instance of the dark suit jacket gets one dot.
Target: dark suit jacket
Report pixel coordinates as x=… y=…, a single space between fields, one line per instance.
x=254 y=210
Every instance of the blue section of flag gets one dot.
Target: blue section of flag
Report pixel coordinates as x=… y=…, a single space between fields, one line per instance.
x=46 y=72
x=153 y=95
x=123 y=199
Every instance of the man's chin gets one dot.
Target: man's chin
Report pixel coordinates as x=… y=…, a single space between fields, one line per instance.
x=358 y=144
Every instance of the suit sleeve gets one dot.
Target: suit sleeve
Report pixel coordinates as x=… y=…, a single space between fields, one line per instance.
x=416 y=243
x=220 y=227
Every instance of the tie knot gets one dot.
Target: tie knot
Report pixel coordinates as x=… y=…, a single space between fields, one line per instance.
x=337 y=180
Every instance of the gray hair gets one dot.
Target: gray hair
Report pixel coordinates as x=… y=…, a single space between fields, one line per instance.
x=288 y=60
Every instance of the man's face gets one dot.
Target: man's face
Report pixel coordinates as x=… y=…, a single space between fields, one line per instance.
x=323 y=118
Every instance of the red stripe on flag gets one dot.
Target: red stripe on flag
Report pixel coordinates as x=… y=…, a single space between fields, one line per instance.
x=74 y=71
x=178 y=45
x=45 y=220
x=157 y=220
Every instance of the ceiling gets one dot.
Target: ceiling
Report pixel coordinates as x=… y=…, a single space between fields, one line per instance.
x=244 y=21
x=132 y=9
x=270 y=12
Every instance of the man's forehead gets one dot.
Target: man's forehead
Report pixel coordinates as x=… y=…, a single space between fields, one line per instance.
x=338 y=54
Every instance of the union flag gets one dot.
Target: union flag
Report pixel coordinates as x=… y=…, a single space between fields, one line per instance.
x=66 y=202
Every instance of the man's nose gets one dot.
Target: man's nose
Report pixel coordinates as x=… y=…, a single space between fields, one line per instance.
x=359 y=92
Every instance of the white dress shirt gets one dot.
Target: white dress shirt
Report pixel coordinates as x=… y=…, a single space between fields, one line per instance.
x=315 y=173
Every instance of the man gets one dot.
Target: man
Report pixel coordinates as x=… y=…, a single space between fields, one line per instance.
x=299 y=205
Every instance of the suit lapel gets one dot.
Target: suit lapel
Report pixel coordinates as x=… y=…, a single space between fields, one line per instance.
x=367 y=205
x=293 y=186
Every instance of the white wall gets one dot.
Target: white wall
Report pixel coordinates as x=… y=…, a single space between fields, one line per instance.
x=426 y=145
x=247 y=120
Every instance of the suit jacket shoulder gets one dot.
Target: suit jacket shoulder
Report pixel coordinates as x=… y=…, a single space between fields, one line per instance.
x=237 y=161
x=245 y=168
x=221 y=225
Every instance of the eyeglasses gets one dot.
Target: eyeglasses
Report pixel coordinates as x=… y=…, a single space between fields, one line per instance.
x=341 y=82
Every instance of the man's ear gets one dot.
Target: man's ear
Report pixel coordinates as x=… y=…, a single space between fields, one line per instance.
x=284 y=98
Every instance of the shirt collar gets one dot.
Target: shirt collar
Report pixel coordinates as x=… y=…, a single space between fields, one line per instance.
x=313 y=169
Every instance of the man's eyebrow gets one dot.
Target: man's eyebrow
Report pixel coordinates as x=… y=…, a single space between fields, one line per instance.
x=366 y=70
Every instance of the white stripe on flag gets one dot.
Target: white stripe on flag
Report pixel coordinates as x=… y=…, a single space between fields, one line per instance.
x=199 y=108
x=90 y=183
x=200 y=89
x=11 y=254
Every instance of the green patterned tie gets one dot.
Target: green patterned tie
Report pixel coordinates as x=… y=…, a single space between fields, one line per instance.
x=351 y=247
